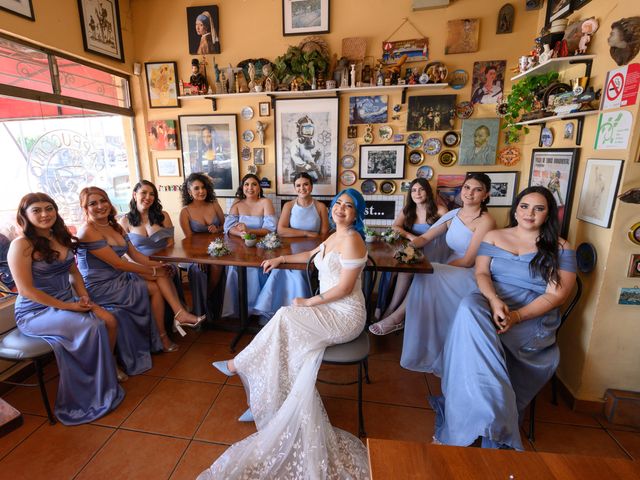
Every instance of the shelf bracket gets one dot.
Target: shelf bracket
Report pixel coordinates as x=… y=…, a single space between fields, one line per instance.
x=273 y=102
x=404 y=96
x=542 y=127
x=587 y=66
x=214 y=104
x=579 y=126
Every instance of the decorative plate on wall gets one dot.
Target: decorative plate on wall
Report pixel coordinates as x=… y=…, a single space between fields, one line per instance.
x=385 y=132
x=447 y=158
x=416 y=157
x=546 y=137
x=464 y=110
x=369 y=187
x=425 y=172
x=414 y=140
x=432 y=146
x=509 y=156
x=586 y=257
x=405 y=186
x=248 y=136
x=458 y=79
x=245 y=153
x=451 y=139
x=388 y=187
x=348 y=178
x=349 y=146
x=247 y=113
x=348 y=161
x=252 y=169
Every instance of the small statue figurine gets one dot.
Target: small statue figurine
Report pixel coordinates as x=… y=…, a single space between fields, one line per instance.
x=252 y=75
x=223 y=84
x=353 y=75
x=546 y=55
x=216 y=71
x=379 y=78
x=589 y=27
x=197 y=80
x=260 y=128
x=270 y=80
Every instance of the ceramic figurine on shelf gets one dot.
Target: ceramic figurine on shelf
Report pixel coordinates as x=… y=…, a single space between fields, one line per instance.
x=270 y=80
x=352 y=74
x=198 y=80
x=366 y=75
x=260 y=128
x=379 y=78
x=546 y=54
x=223 y=83
x=531 y=62
x=252 y=75
x=216 y=71
x=589 y=27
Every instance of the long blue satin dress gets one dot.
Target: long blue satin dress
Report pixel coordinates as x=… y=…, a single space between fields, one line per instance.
x=436 y=250
x=488 y=378
x=432 y=301
x=198 y=281
x=88 y=387
x=255 y=278
x=284 y=285
x=125 y=294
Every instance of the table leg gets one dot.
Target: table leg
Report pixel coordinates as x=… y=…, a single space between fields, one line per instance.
x=243 y=306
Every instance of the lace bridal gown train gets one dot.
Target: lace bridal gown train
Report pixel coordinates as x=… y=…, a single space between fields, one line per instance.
x=295 y=439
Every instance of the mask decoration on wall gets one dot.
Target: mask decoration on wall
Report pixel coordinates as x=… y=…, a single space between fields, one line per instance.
x=630 y=196
x=624 y=39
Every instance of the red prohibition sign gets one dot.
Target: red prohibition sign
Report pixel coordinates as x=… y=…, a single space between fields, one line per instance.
x=614 y=88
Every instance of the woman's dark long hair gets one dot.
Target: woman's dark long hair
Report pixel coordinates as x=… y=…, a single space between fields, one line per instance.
x=156 y=217
x=84 y=203
x=240 y=194
x=208 y=185
x=545 y=262
x=59 y=231
x=484 y=179
x=409 y=210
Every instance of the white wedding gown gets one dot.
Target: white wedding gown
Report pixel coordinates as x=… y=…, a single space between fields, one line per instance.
x=295 y=439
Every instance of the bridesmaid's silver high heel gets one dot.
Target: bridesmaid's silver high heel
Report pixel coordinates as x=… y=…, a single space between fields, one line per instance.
x=177 y=324
x=173 y=347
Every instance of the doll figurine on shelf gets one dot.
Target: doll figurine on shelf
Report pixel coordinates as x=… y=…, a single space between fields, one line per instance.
x=198 y=80
x=588 y=28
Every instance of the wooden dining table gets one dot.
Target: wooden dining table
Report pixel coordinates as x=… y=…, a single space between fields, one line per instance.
x=193 y=249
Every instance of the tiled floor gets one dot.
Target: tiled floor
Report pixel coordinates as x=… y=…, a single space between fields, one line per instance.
x=180 y=416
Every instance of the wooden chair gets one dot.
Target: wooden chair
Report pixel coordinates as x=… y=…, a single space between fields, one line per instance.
x=554 y=380
x=355 y=352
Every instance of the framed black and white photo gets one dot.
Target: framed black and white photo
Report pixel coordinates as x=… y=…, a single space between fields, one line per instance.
x=210 y=146
x=504 y=186
x=557 y=9
x=555 y=169
x=303 y=17
x=265 y=109
x=258 y=156
x=599 y=188
x=306 y=132
x=23 y=8
x=101 y=32
x=382 y=161
x=168 y=167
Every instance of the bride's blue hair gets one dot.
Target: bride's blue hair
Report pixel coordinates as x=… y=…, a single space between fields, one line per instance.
x=360 y=205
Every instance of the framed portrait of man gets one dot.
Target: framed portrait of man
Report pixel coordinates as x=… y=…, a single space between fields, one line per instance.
x=210 y=146
x=479 y=141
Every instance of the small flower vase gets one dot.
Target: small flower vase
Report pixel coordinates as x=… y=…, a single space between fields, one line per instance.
x=369 y=238
x=250 y=242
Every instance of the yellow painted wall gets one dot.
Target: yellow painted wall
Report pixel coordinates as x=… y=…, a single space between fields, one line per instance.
x=599 y=344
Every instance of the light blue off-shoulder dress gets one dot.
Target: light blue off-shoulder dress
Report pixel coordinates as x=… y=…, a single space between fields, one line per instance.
x=198 y=281
x=125 y=294
x=432 y=301
x=284 y=285
x=436 y=250
x=88 y=387
x=255 y=278
x=488 y=378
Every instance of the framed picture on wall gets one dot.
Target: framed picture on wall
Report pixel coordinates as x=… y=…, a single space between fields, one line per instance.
x=504 y=186
x=162 y=84
x=210 y=146
x=557 y=9
x=556 y=170
x=382 y=161
x=203 y=25
x=100 y=22
x=161 y=135
x=306 y=132
x=303 y=17
x=599 y=188
x=168 y=167
x=24 y=8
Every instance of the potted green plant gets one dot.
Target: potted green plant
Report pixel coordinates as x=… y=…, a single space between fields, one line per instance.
x=249 y=239
x=370 y=235
x=298 y=63
x=523 y=98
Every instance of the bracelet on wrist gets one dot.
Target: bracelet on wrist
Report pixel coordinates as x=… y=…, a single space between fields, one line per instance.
x=155 y=272
x=284 y=260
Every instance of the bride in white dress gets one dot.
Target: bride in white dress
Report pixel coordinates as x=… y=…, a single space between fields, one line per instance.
x=295 y=439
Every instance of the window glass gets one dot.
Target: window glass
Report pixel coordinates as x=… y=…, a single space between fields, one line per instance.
x=22 y=66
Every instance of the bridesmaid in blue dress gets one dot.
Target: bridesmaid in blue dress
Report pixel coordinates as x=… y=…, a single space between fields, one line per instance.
x=251 y=213
x=433 y=298
x=502 y=346
x=81 y=333
x=201 y=213
x=150 y=229
x=302 y=217
x=418 y=215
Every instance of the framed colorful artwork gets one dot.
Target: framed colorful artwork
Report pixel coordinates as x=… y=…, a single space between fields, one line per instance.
x=306 y=132
x=203 y=25
x=210 y=146
x=556 y=170
x=23 y=8
x=479 y=141
x=161 y=135
x=599 y=188
x=162 y=84
x=462 y=36
x=488 y=81
x=382 y=161
x=448 y=188
x=100 y=22
x=304 y=17
x=431 y=112
x=634 y=266
x=368 y=109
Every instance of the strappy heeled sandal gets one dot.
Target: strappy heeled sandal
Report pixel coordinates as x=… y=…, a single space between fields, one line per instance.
x=380 y=329
x=177 y=324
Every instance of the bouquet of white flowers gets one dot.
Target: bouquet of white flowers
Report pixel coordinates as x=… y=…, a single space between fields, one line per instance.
x=390 y=235
x=270 y=241
x=218 y=248
x=408 y=254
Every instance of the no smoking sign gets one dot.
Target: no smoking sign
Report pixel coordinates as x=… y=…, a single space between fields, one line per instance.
x=621 y=87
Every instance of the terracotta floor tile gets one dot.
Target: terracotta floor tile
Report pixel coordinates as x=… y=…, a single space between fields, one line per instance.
x=224 y=337
x=398 y=423
x=343 y=413
x=174 y=407
x=136 y=388
x=392 y=384
x=191 y=336
x=601 y=419
x=198 y=457
x=221 y=424
x=433 y=383
x=9 y=441
x=561 y=413
x=339 y=373
x=163 y=362
x=55 y=452
x=386 y=347
x=28 y=399
x=135 y=455
x=557 y=438
x=196 y=363
x=630 y=441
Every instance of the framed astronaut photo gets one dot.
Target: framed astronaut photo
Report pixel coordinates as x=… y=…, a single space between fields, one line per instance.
x=210 y=146
x=306 y=132
x=382 y=161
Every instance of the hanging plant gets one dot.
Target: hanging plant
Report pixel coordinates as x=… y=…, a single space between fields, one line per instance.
x=523 y=98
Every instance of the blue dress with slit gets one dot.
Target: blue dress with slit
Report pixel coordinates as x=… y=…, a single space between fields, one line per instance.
x=125 y=294
x=87 y=387
x=432 y=301
x=488 y=378
x=255 y=278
